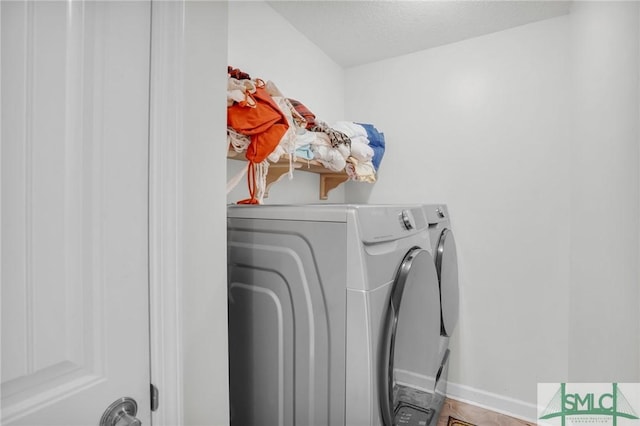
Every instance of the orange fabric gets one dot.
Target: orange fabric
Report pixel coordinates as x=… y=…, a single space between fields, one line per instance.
x=264 y=123
x=251 y=183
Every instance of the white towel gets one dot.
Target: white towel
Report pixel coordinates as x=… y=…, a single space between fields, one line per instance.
x=331 y=158
x=350 y=129
x=361 y=172
x=361 y=151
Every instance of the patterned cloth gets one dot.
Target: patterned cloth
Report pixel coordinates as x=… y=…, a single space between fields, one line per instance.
x=335 y=137
x=237 y=74
x=309 y=117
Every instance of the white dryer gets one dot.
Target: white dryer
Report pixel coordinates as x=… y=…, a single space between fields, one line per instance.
x=445 y=255
x=444 y=252
x=334 y=316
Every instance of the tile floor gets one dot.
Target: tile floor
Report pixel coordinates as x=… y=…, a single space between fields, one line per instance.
x=476 y=415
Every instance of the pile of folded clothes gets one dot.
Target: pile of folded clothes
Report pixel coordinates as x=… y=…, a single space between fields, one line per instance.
x=266 y=125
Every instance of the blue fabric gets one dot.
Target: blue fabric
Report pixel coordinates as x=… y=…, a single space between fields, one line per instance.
x=305 y=152
x=376 y=142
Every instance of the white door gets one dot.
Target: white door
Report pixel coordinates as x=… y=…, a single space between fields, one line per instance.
x=75 y=102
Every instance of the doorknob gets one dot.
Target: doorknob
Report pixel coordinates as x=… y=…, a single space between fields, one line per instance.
x=121 y=413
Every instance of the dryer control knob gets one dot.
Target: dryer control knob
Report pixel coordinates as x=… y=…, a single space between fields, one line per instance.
x=406 y=220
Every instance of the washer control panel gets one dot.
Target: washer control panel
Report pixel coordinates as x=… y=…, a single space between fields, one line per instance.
x=407 y=220
x=388 y=223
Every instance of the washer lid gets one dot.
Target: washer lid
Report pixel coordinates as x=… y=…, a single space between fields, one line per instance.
x=447 y=267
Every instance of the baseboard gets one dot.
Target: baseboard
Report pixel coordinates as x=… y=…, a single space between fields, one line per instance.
x=418 y=381
x=492 y=401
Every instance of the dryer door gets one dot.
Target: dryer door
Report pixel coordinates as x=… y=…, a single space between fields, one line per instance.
x=447 y=266
x=411 y=333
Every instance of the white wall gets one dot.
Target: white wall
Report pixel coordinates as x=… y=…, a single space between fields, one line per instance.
x=483 y=125
x=204 y=293
x=265 y=45
x=603 y=340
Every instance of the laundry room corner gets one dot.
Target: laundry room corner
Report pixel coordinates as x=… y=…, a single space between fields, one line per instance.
x=537 y=164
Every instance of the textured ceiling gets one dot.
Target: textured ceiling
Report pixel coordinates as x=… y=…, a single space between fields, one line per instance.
x=358 y=32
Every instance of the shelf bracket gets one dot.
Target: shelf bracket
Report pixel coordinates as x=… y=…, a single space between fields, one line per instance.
x=329 y=181
x=276 y=172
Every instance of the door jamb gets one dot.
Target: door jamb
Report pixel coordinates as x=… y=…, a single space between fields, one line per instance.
x=165 y=211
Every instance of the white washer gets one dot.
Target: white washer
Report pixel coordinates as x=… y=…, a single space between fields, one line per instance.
x=333 y=309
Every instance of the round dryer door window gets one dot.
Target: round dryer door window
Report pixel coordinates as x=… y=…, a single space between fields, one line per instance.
x=447 y=266
x=409 y=353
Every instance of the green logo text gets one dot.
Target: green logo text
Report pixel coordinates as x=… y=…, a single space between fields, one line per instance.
x=564 y=404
